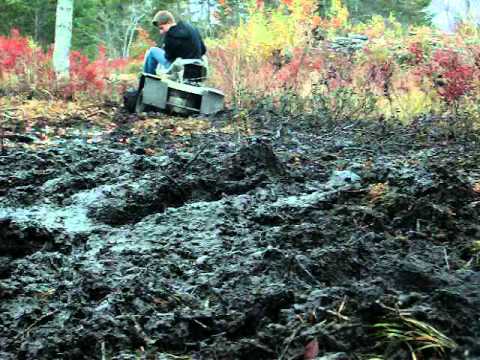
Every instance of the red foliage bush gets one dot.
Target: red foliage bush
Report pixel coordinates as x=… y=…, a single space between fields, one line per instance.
x=338 y=72
x=451 y=76
x=381 y=75
x=237 y=75
x=91 y=77
x=288 y=73
x=32 y=68
x=13 y=52
x=300 y=67
x=474 y=51
x=418 y=53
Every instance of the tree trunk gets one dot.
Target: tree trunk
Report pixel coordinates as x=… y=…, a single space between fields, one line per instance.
x=63 y=38
x=209 y=17
x=130 y=37
x=36 y=24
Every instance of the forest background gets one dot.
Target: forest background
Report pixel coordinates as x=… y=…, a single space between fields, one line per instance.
x=111 y=22
x=336 y=59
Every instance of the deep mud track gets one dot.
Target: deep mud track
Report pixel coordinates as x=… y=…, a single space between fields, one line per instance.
x=285 y=245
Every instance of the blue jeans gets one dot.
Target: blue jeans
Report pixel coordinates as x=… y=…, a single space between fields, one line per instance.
x=155 y=56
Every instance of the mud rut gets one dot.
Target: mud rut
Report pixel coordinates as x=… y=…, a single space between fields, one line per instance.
x=238 y=247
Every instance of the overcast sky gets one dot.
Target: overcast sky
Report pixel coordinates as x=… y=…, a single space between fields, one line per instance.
x=446 y=13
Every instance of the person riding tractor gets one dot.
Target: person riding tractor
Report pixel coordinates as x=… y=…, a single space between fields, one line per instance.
x=181 y=40
x=172 y=75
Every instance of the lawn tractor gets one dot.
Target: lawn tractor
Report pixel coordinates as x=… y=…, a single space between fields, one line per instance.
x=178 y=90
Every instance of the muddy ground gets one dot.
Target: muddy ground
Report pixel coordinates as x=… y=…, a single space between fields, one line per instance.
x=291 y=241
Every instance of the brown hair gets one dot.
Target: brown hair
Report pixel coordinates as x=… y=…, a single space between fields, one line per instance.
x=163 y=17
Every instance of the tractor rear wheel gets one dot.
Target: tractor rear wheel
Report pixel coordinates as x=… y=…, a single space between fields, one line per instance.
x=139 y=105
x=130 y=99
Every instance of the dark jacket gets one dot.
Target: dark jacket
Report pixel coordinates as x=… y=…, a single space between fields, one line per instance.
x=183 y=40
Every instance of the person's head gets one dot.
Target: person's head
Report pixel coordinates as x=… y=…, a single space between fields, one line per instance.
x=163 y=20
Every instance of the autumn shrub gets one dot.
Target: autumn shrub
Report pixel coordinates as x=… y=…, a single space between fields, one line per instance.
x=450 y=74
x=341 y=104
x=272 y=56
x=414 y=74
x=247 y=60
x=265 y=32
x=13 y=50
x=91 y=78
x=22 y=63
x=246 y=80
x=25 y=67
x=283 y=57
x=443 y=83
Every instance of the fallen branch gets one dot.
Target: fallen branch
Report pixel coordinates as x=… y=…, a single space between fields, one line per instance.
x=185 y=167
x=289 y=342
x=44 y=318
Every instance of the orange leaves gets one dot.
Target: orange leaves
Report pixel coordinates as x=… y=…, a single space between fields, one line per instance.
x=171 y=126
x=316 y=21
x=54 y=113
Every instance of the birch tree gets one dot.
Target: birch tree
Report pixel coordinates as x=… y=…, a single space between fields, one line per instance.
x=120 y=22
x=135 y=14
x=63 y=38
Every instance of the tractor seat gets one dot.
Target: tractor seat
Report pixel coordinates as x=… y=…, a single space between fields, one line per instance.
x=192 y=71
